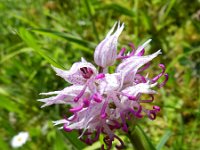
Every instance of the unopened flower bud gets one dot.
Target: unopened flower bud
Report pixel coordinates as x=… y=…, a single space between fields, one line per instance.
x=106 y=52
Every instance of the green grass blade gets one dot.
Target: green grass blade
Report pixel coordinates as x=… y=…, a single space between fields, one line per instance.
x=163 y=140
x=140 y=140
x=66 y=36
x=118 y=8
x=8 y=104
x=91 y=12
x=181 y=56
x=25 y=20
x=146 y=141
x=13 y=54
x=73 y=139
x=60 y=143
x=31 y=42
x=169 y=7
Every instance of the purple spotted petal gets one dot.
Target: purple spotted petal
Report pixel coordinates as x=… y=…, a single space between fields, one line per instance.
x=78 y=73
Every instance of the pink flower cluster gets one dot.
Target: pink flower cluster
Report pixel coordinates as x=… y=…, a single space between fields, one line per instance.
x=102 y=102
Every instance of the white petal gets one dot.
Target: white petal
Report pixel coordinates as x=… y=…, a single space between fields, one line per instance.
x=77 y=125
x=119 y=30
x=143 y=46
x=83 y=60
x=130 y=65
x=111 y=30
x=19 y=140
x=106 y=51
x=62 y=121
x=74 y=75
x=50 y=93
x=59 y=72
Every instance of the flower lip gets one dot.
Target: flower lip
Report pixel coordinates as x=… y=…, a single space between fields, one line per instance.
x=86 y=72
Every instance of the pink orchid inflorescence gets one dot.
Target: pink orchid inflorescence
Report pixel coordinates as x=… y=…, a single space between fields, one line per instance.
x=102 y=102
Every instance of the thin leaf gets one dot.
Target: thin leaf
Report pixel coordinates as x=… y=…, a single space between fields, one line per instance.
x=140 y=140
x=9 y=56
x=180 y=56
x=59 y=143
x=118 y=8
x=25 y=20
x=91 y=13
x=163 y=140
x=66 y=36
x=169 y=7
x=73 y=139
x=30 y=41
x=9 y=105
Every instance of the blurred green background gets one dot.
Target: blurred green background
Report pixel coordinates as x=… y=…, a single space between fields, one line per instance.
x=37 y=33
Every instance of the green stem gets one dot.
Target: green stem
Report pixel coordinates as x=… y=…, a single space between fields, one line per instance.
x=139 y=139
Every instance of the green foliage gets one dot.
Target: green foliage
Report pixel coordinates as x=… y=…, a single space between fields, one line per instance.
x=163 y=140
x=30 y=41
x=38 y=34
x=139 y=139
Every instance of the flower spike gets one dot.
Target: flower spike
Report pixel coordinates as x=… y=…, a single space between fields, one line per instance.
x=101 y=102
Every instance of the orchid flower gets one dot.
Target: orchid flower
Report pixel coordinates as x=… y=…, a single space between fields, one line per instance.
x=102 y=102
